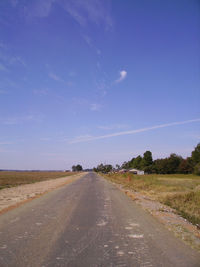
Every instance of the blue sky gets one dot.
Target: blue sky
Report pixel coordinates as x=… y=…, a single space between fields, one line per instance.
x=97 y=81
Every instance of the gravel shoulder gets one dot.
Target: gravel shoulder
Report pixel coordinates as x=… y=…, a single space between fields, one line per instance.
x=12 y=197
x=186 y=231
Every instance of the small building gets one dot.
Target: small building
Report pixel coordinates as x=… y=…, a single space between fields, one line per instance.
x=135 y=171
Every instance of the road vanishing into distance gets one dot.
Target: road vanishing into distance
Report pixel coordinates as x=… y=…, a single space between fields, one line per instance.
x=88 y=223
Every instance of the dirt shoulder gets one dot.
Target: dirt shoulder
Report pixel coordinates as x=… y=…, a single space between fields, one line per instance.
x=149 y=192
x=183 y=229
x=12 y=197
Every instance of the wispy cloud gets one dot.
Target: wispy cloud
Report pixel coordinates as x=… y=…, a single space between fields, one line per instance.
x=123 y=75
x=55 y=77
x=38 y=8
x=91 y=138
x=8 y=59
x=20 y=119
x=95 y=107
x=41 y=92
x=83 y=12
x=113 y=126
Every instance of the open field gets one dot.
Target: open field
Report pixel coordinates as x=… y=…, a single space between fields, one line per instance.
x=181 y=192
x=12 y=178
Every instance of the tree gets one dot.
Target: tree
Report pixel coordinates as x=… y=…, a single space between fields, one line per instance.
x=147 y=157
x=137 y=162
x=185 y=166
x=196 y=155
x=147 y=160
x=173 y=163
x=103 y=168
x=77 y=168
x=117 y=166
x=197 y=169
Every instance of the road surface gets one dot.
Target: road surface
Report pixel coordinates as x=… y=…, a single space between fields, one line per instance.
x=88 y=223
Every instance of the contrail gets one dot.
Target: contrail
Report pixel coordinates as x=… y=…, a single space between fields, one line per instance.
x=91 y=138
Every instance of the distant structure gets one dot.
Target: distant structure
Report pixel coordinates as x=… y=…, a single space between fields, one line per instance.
x=135 y=171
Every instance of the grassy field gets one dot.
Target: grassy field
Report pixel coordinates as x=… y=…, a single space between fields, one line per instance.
x=179 y=191
x=11 y=178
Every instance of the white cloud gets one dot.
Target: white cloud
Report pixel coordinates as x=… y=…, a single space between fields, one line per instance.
x=91 y=138
x=38 y=8
x=55 y=77
x=95 y=107
x=83 y=12
x=123 y=75
x=95 y=11
x=113 y=126
x=21 y=119
x=40 y=92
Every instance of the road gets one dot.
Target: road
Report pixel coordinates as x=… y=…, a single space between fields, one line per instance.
x=88 y=223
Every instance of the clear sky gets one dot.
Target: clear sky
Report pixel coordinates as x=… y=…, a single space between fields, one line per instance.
x=91 y=81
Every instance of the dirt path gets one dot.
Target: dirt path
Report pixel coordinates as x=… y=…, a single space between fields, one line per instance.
x=12 y=197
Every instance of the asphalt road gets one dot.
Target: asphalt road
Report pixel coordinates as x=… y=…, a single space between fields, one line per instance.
x=88 y=223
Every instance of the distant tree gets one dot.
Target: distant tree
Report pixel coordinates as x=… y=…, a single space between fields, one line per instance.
x=173 y=163
x=147 y=157
x=197 y=169
x=117 y=166
x=104 y=168
x=196 y=155
x=125 y=165
x=77 y=168
x=147 y=160
x=185 y=166
x=137 y=163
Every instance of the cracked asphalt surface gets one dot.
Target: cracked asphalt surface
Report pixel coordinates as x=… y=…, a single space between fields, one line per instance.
x=88 y=223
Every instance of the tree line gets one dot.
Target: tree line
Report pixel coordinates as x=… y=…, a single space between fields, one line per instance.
x=169 y=165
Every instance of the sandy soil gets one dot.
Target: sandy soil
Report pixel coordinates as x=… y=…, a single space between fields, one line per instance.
x=12 y=197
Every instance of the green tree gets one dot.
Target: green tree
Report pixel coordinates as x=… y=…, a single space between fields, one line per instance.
x=147 y=160
x=137 y=163
x=173 y=163
x=104 y=168
x=196 y=155
x=185 y=166
x=77 y=168
x=147 y=157
x=197 y=169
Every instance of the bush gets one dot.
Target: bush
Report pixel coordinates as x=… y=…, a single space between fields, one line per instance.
x=197 y=169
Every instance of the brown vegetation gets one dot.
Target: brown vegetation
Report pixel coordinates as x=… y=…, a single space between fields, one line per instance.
x=181 y=192
x=12 y=178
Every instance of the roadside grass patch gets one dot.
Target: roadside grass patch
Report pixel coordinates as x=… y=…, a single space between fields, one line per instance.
x=186 y=204
x=179 y=191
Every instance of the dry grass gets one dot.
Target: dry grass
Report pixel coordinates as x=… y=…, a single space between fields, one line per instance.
x=182 y=192
x=12 y=178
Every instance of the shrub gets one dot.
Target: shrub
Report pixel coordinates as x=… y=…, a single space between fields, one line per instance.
x=197 y=169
